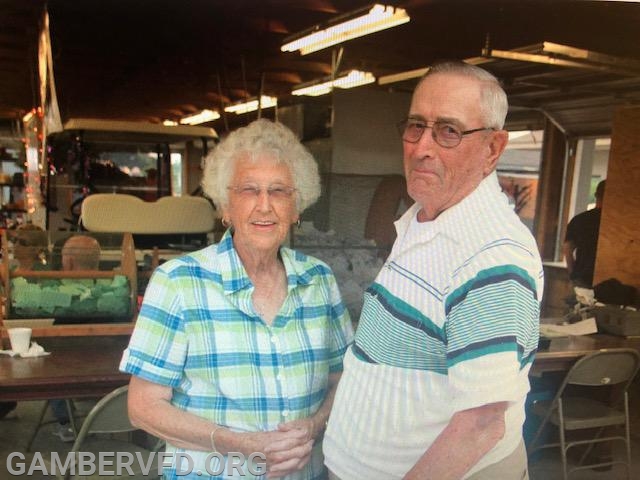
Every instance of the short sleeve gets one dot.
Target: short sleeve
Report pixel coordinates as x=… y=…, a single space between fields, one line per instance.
x=158 y=345
x=492 y=323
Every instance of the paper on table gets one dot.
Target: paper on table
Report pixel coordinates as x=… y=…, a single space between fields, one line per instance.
x=35 y=350
x=583 y=327
x=585 y=296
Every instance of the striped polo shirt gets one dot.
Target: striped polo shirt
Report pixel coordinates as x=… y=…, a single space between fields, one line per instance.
x=198 y=333
x=450 y=323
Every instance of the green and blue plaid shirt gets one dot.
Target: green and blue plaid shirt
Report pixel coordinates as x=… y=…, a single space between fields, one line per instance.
x=198 y=333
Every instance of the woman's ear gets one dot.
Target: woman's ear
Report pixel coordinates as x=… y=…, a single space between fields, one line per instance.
x=224 y=218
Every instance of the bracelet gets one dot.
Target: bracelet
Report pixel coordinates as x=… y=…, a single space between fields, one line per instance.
x=213 y=440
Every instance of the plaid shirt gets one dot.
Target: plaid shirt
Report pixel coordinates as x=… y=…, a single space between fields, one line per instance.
x=198 y=333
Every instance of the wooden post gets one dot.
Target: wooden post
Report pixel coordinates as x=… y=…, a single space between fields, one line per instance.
x=618 y=253
x=550 y=185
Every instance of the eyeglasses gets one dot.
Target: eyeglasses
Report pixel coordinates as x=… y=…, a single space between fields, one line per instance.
x=445 y=134
x=252 y=190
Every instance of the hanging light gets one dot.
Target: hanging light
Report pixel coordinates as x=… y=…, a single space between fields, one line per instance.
x=252 y=105
x=354 y=78
x=200 y=117
x=346 y=27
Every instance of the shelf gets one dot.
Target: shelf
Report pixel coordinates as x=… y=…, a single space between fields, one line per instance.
x=12 y=210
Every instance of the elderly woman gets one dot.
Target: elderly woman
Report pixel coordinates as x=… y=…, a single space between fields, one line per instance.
x=238 y=347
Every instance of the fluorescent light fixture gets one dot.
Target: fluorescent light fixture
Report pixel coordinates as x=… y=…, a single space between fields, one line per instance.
x=201 y=117
x=346 y=27
x=252 y=105
x=169 y=123
x=354 y=78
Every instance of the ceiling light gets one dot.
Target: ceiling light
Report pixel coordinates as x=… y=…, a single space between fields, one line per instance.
x=202 y=117
x=169 y=123
x=346 y=27
x=252 y=105
x=354 y=78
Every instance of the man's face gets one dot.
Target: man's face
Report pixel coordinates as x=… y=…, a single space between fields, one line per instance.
x=440 y=177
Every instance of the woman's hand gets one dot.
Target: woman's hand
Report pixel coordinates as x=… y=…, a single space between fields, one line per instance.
x=285 y=451
x=305 y=424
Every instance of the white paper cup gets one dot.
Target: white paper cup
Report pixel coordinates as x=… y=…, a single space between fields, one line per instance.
x=20 y=338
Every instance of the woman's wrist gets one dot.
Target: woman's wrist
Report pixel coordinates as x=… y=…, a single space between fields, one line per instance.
x=223 y=440
x=212 y=438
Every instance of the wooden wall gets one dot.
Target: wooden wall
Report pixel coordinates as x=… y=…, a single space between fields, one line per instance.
x=619 y=241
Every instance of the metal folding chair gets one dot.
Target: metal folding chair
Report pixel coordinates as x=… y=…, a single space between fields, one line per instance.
x=41 y=422
x=110 y=416
x=587 y=408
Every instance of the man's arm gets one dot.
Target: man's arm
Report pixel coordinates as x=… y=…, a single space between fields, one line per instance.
x=465 y=440
x=568 y=247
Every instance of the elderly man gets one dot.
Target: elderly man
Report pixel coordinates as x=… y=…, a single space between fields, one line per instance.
x=435 y=384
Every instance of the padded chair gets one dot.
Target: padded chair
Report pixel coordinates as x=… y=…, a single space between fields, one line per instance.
x=177 y=223
x=572 y=411
x=110 y=416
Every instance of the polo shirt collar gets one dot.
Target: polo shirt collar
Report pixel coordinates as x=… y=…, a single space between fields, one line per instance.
x=451 y=222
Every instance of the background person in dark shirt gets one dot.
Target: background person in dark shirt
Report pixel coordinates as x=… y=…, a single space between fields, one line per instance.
x=581 y=242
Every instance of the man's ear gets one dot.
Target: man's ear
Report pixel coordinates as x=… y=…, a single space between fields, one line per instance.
x=496 y=145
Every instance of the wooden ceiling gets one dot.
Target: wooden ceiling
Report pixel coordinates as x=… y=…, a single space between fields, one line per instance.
x=152 y=60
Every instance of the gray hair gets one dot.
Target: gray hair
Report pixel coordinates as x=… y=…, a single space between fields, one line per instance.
x=494 y=99
x=261 y=137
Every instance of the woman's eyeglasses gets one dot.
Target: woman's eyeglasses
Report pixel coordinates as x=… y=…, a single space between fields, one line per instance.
x=252 y=190
x=445 y=134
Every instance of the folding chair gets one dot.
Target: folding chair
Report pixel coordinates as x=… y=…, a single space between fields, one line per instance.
x=41 y=422
x=610 y=368
x=110 y=416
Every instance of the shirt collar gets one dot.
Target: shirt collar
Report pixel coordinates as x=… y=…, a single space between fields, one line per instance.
x=235 y=277
x=451 y=221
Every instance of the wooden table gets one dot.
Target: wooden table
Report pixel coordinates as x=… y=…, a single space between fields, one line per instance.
x=77 y=367
x=563 y=352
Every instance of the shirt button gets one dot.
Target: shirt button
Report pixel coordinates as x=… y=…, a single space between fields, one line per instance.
x=279 y=377
x=285 y=413
x=274 y=339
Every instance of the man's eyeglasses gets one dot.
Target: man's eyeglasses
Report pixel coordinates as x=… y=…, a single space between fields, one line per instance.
x=252 y=190
x=445 y=134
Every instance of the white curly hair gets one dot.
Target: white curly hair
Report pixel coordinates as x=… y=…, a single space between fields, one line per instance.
x=261 y=137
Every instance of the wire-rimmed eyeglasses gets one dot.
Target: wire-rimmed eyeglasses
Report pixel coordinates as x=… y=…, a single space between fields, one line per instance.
x=252 y=190
x=445 y=134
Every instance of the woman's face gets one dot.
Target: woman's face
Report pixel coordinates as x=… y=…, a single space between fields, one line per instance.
x=262 y=205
